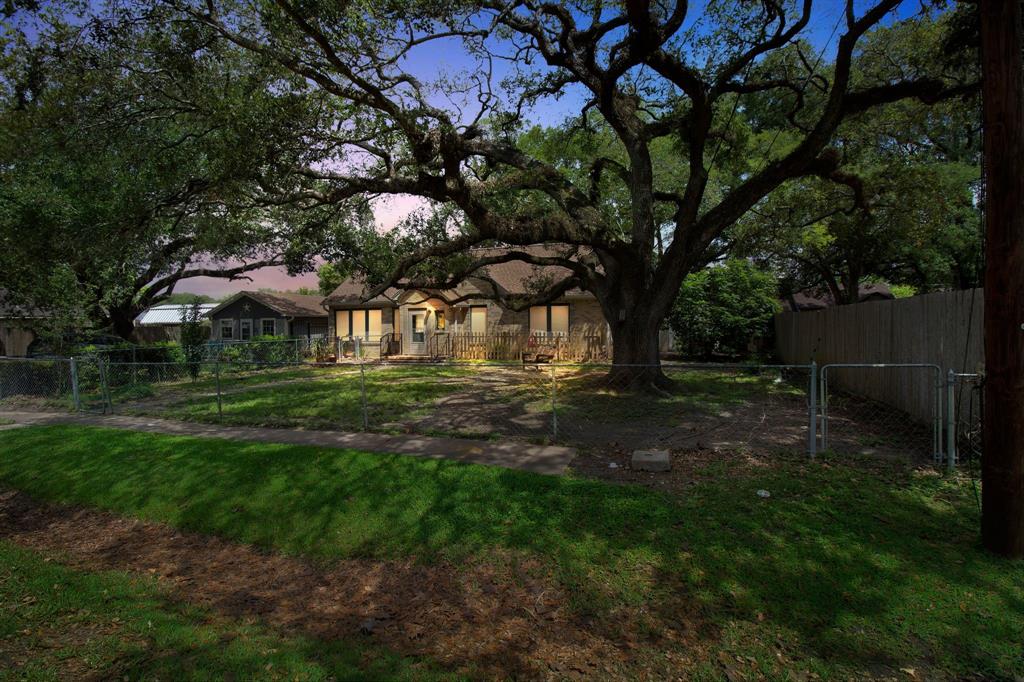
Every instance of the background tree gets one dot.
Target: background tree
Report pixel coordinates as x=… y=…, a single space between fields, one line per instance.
x=652 y=74
x=909 y=215
x=195 y=332
x=129 y=155
x=183 y=297
x=329 y=278
x=723 y=310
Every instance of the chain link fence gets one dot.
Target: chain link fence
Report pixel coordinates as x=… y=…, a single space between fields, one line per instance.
x=673 y=406
x=36 y=383
x=854 y=422
x=965 y=411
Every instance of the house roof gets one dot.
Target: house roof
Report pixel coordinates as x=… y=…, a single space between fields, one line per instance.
x=352 y=290
x=169 y=313
x=512 y=277
x=520 y=277
x=819 y=299
x=287 y=304
x=9 y=310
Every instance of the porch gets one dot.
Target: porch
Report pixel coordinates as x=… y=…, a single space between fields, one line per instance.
x=500 y=346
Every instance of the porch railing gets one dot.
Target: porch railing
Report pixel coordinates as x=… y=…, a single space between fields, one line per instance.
x=390 y=344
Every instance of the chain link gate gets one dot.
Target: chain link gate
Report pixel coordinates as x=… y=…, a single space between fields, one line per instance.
x=894 y=409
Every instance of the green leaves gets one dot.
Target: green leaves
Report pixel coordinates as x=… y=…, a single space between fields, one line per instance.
x=723 y=309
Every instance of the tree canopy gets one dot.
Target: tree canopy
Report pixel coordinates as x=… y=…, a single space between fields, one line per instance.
x=130 y=152
x=681 y=123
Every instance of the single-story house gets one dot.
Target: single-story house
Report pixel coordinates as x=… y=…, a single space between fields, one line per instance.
x=249 y=314
x=819 y=299
x=446 y=323
x=163 y=322
x=18 y=326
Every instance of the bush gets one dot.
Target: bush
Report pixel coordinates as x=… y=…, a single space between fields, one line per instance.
x=724 y=310
x=161 y=351
x=193 y=337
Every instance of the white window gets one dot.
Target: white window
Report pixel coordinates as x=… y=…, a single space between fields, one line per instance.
x=478 y=319
x=419 y=320
x=549 y=319
x=268 y=327
x=227 y=329
x=245 y=330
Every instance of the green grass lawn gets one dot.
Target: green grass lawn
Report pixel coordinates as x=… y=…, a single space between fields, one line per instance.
x=848 y=570
x=61 y=623
x=314 y=398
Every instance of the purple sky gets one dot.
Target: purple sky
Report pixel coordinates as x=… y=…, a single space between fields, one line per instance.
x=387 y=213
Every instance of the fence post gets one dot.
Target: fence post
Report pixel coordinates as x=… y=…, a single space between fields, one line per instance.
x=73 y=365
x=554 y=404
x=362 y=393
x=951 y=456
x=812 y=412
x=104 y=385
x=216 y=372
x=337 y=349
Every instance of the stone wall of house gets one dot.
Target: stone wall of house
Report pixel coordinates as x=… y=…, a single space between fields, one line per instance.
x=586 y=317
x=15 y=338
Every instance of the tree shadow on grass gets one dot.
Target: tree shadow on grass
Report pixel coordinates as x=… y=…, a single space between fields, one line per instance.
x=846 y=567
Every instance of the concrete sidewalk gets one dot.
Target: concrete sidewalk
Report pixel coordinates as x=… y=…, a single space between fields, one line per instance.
x=541 y=459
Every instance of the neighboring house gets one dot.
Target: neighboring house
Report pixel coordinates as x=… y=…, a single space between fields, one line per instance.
x=163 y=322
x=463 y=321
x=17 y=327
x=815 y=299
x=249 y=314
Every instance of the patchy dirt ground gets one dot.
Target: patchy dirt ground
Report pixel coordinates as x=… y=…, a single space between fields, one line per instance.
x=506 y=619
x=689 y=467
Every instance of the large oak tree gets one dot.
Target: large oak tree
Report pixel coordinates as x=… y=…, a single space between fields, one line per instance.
x=652 y=73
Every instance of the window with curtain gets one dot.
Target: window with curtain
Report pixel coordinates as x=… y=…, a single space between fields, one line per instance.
x=549 y=319
x=478 y=319
x=366 y=324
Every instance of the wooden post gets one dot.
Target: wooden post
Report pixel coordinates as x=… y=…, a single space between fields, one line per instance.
x=1002 y=467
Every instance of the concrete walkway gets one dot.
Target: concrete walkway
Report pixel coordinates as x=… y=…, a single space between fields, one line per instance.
x=541 y=459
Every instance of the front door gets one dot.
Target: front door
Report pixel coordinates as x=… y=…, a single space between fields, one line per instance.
x=418 y=332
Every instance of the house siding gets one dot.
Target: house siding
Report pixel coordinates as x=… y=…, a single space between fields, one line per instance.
x=236 y=311
x=585 y=317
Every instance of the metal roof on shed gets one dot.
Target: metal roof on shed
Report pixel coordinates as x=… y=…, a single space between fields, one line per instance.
x=169 y=313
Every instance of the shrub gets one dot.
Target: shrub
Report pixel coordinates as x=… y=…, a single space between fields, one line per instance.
x=723 y=309
x=193 y=337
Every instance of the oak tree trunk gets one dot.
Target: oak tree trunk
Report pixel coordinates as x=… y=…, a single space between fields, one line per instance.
x=122 y=322
x=1002 y=470
x=636 y=359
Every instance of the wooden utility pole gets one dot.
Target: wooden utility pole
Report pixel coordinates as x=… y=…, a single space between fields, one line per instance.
x=1002 y=470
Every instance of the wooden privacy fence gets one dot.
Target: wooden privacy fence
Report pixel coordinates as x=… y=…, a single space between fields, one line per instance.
x=943 y=329
x=512 y=346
